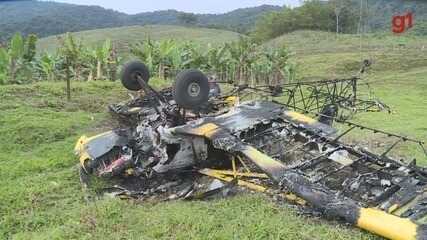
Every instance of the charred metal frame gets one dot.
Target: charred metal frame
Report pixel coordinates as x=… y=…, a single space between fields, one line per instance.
x=314 y=96
x=251 y=132
x=352 y=126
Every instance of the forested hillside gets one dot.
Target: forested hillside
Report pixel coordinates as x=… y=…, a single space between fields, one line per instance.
x=47 y=18
x=123 y=37
x=343 y=16
x=50 y=18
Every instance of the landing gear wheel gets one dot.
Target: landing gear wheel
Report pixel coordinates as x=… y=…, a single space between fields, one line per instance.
x=130 y=73
x=191 y=89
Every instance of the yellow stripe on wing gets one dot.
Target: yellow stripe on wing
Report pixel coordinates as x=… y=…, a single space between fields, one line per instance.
x=387 y=225
x=296 y=116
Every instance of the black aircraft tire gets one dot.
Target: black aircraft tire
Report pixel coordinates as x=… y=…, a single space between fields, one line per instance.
x=191 y=89
x=130 y=72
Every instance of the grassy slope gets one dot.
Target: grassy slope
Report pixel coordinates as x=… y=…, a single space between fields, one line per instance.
x=398 y=77
x=124 y=36
x=40 y=197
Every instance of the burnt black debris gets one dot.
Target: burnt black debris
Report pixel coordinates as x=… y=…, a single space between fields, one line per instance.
x=163 y=151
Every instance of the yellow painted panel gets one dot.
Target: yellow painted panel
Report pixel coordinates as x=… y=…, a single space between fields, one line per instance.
x=80 y=149
x=261 y=160
x=215 y=174
x=387 y=225
x=250 y=175
x=300 y=117
x=259 y=188
x=232 y=101
x=206 y=130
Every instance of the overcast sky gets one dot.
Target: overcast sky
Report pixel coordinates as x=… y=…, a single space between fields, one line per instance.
x=196 y=6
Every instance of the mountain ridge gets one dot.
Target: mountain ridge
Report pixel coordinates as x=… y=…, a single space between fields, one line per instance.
x=52 y=18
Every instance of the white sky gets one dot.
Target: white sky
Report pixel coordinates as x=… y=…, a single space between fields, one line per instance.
x=196 y=6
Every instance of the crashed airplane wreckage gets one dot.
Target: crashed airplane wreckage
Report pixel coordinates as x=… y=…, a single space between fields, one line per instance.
x=168 y=139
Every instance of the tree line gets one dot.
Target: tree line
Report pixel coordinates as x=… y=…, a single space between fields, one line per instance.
x=46 y=18
x=20 y=64
x=339 y=16
x=242 y=61
x=49 y=18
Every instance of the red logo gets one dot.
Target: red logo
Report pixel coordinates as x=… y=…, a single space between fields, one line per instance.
x=402 y=23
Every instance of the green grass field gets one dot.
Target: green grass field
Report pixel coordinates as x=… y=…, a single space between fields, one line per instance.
x=122 y=37
x=40 y=194
x=398 y=77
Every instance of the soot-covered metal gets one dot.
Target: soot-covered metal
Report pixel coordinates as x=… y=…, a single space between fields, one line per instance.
x=175 y=144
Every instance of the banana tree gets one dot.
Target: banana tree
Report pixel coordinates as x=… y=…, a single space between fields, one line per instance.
x=30 y=48
x=243 y=54
x=240 y=61
x=102 y=54
x=167 y=48
x=263 y=69
x=46 y=66
x=90 y=63
x=187 y=55
x=113 y=62
x=71 y=53
x=279 y=59
x=147 y=51
x=193 y=57
x=16 y=52
x=4 y=61
x=219 y=60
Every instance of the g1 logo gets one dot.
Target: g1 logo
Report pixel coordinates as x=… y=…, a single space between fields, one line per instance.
x=402 y=23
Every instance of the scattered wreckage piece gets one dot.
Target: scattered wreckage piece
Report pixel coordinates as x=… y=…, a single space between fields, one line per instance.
x=336 y=98
x=188 y=189
x=170 y=143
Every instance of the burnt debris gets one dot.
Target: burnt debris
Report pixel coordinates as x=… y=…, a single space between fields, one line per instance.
x=206 y=145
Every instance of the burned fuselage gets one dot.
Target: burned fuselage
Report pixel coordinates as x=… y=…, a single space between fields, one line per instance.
x=287 y=150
